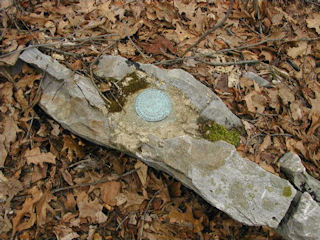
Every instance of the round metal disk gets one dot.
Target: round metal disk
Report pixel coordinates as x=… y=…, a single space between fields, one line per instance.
x=153 y=105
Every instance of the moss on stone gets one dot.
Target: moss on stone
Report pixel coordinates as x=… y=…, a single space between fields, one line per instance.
x=135 y=84
x=215 y=132
x=287 y=191
x=121 y=89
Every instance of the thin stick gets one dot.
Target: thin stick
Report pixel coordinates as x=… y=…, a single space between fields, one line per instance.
x=138 y=49
x=93 y=183
x=145 y=212
x=124 y=219
x=91 y=72
x=64 y=52
x=266 y=41
x=173 y=61
x=81 y=40
x=229 y=63
x=218 y=25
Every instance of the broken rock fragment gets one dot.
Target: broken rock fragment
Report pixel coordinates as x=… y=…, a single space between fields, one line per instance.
x=173 y=142
x=292 y=166
x=304 y=220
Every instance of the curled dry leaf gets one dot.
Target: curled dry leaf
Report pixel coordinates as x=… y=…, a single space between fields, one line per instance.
x=36 y=157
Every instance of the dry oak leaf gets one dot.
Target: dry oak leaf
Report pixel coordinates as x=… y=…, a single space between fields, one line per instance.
x=9 y=188
x=142 y=172
x=296 y=110
x=187 y=9
x=10 y=129
x=255 y=102
x=28 y=209
x=63 y=232
x=42 y=206
x=159 y=46
x=71 y=147
x=176 y=216
x=109 y=192
x=36 y=157
x=130 y=199
x=314 y=22
x=91 y=210
x=6 y=94
x=315 y=103
x=300 y=50
x=286 y=95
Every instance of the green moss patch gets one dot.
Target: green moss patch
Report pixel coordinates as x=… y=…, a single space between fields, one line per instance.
x=121 y=89
x=215 y=132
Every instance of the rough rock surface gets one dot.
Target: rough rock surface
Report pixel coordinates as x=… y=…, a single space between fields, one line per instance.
x=214 y=170
x=304 y=221
x=292 y=166
x=205 y=101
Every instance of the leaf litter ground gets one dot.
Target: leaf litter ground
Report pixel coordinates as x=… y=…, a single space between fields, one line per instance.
x=55 y=185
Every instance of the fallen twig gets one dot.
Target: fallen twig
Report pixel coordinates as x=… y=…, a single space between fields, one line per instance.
x=93 y=183
x=81 y=41
x=91 y=72
x=145 y=212
x=124 y=219
x=266 y=41
x=228 y=63
x=138 y=49
x=63 y=52
x=218 y=25
x=173 y=61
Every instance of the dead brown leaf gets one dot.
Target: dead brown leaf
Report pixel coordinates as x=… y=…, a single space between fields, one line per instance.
x=90 y=210
x=159 y=46
x=71 y=148
x=63 y=232
x=109 y=192
x=28 y=209
x=42 y=206
x=36 y=157
x=313 y=21
x=176 y=216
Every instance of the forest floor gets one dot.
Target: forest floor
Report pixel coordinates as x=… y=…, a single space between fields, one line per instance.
x=55 y=185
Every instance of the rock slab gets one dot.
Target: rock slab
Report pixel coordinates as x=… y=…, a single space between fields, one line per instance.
x=214 y=170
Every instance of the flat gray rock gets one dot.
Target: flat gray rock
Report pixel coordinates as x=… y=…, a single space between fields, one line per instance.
x=255 y=77
x=229 y=182
x=304 y=221
x=214 y=170
x=292 y=166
